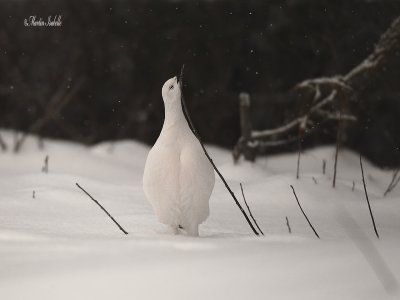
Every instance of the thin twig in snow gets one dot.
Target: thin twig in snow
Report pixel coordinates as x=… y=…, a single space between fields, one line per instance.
x=323 y=166
x=187 y=117
x=394 y=184
x=302 y=129
x=315 y=180
x=3 y=145
x=108 y=214
x=298 y=157
x=395 y=180
x=354 y=184
x=248 y=208
x=366 y=196
x=288 y=225
x=304 y=214
x=338 y=137
x=45 y=168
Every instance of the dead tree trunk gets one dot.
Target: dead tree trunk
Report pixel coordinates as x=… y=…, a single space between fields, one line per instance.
x=384 y=59
x=244 y=145
x=322 y=95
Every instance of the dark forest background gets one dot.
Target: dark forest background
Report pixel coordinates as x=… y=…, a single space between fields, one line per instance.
x=99 y=76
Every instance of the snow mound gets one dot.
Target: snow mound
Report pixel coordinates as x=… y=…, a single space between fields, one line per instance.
x=60 y=245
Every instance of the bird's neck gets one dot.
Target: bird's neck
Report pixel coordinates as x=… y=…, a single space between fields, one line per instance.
x=174 y=115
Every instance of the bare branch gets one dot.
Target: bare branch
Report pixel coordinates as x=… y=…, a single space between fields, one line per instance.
x=108 y=214
x=187 y=117
x=295 y=123
x=337 y=82
x=383 y=59
x=304 y=214
x=267 y=144
x=248 y=208
x=335 y=116
x=395 y=180
x=366 y=196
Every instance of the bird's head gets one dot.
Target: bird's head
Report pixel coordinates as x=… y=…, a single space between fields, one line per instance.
x=171 y=91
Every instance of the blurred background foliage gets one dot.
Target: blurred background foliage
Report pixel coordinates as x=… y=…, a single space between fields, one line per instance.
x=99 y=76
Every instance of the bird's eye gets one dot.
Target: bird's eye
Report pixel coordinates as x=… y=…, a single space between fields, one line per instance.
x=171 y=87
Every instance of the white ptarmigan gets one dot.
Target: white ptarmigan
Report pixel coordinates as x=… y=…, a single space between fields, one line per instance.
x=178 y=179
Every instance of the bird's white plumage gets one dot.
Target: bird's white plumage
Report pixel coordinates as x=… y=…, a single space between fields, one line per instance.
x=178 y=179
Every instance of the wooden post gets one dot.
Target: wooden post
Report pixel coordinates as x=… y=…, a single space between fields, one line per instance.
x=246 y=127
x=245 y=124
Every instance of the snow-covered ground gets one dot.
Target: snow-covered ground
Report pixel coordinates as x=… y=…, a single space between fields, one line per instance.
x=60 y=245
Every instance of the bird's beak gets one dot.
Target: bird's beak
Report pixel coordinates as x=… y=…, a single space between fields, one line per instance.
x=179 y=82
